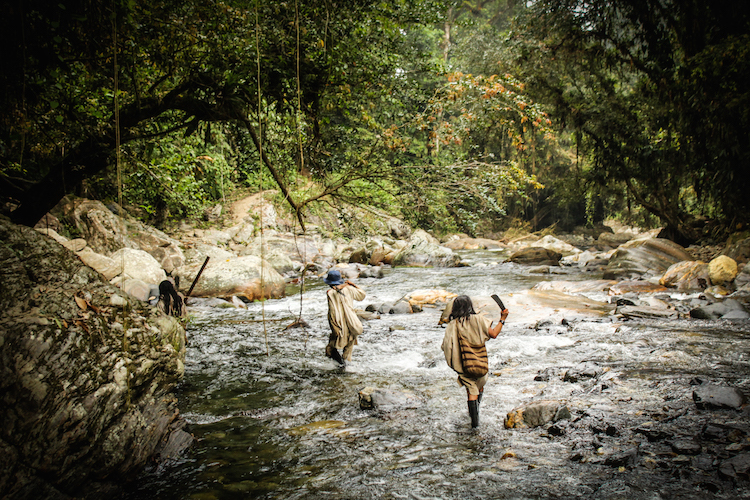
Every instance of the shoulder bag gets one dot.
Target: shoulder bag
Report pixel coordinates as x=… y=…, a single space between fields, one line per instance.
x=473 y=358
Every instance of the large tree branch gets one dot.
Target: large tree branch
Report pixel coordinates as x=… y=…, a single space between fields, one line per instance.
x=274 y=172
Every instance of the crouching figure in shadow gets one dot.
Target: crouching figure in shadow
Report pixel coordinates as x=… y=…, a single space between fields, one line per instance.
x=171 y=301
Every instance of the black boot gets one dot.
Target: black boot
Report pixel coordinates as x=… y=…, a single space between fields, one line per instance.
x=337 y=357
x=474 y=413
x=479 y=399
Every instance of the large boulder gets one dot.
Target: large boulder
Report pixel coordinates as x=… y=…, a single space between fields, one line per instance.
x=240 y=276
x=106 y=266
x=297 y=248
x=537 y=256
x=196 y=254
x=557 y=245
x=108 y=230
x=722 y=270
x=138 y=264
x=87 y=375
x=424 y=250
x=104 y=231
x=686 y=275
x=645 y=257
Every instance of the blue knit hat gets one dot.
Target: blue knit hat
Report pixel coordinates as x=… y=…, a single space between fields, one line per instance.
x=333 y=278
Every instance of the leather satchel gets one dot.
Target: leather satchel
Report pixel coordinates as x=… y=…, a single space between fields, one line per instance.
x=473 y=358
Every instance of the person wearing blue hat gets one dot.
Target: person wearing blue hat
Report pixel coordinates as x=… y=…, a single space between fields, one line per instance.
x=342 y=318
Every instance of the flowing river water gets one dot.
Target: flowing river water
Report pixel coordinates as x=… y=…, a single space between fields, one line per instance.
x=274 y=418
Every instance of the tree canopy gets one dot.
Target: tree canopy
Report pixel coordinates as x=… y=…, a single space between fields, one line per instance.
x=459 y=112
x=656 y=92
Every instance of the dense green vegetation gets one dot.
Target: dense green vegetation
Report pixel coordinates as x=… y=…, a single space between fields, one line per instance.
x=459 y=116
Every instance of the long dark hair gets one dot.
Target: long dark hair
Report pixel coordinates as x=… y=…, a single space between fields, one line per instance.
x=462 y=308
x=168 y=293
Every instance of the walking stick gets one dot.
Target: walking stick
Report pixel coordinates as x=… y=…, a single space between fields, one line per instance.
x=196 y=277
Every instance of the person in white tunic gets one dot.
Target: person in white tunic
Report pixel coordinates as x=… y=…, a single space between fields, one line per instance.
x=476 y=329
x=342 y=318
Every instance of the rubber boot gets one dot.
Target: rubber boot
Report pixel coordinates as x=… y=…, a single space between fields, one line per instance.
x=474 y=413
x=337 y=357
x=479 y=399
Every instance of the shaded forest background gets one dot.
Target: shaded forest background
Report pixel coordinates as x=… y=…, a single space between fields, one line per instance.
x=470 y=116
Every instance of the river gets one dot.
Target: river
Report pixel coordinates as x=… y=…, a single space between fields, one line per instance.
x=274 y=418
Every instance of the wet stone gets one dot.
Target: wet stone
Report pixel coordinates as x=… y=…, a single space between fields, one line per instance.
x=703 y=462
x=385 y=399
x=736 y=467
x=709 y=396
x=685 y=447
x=722 y=433
x=548 y=373
x=583 y=371
x=651 y=433
x=627 y=458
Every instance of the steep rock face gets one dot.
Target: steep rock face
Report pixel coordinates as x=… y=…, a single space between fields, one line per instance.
x=645 y=257
x=86 y=374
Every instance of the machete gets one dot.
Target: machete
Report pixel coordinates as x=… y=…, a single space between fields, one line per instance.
x=499 y=302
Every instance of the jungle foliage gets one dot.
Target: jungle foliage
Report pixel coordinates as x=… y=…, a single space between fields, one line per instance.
x=456 y=115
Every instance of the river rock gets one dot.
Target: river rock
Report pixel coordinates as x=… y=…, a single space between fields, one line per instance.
x=644 y=258
x=574 y=287
x=739 y=251
x=613 y=240
x=722 y=433
x=382 y=255
x=736 y=467
x=646 y=312
x=360 y=256
x=424 y=250
x=103 y=230
x=300 y=249
x=635 y=286
x=625 y=458
x=728 y=308
x=138 y=289
x=240 y=276
x=106 y=266
x=420 y=298
x=582 y=259
x=587 y=370
x=535 y=414
x=371 y=398
x=49 y=221
x=107 y=230
x=467 y=243
x=87 y=388
x=52 y=234
x=75 y=245
x=709 y=396
x=685 y=447
x=196 y=254
x=536 y=256
x=281 y=262
x=556 y=245
x=138 y=264
x=722 y=270
x=686 y=275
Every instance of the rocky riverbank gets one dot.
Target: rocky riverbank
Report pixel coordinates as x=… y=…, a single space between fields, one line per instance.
x=89 y=367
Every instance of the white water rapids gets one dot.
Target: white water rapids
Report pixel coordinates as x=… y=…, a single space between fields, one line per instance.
x=275 y=418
